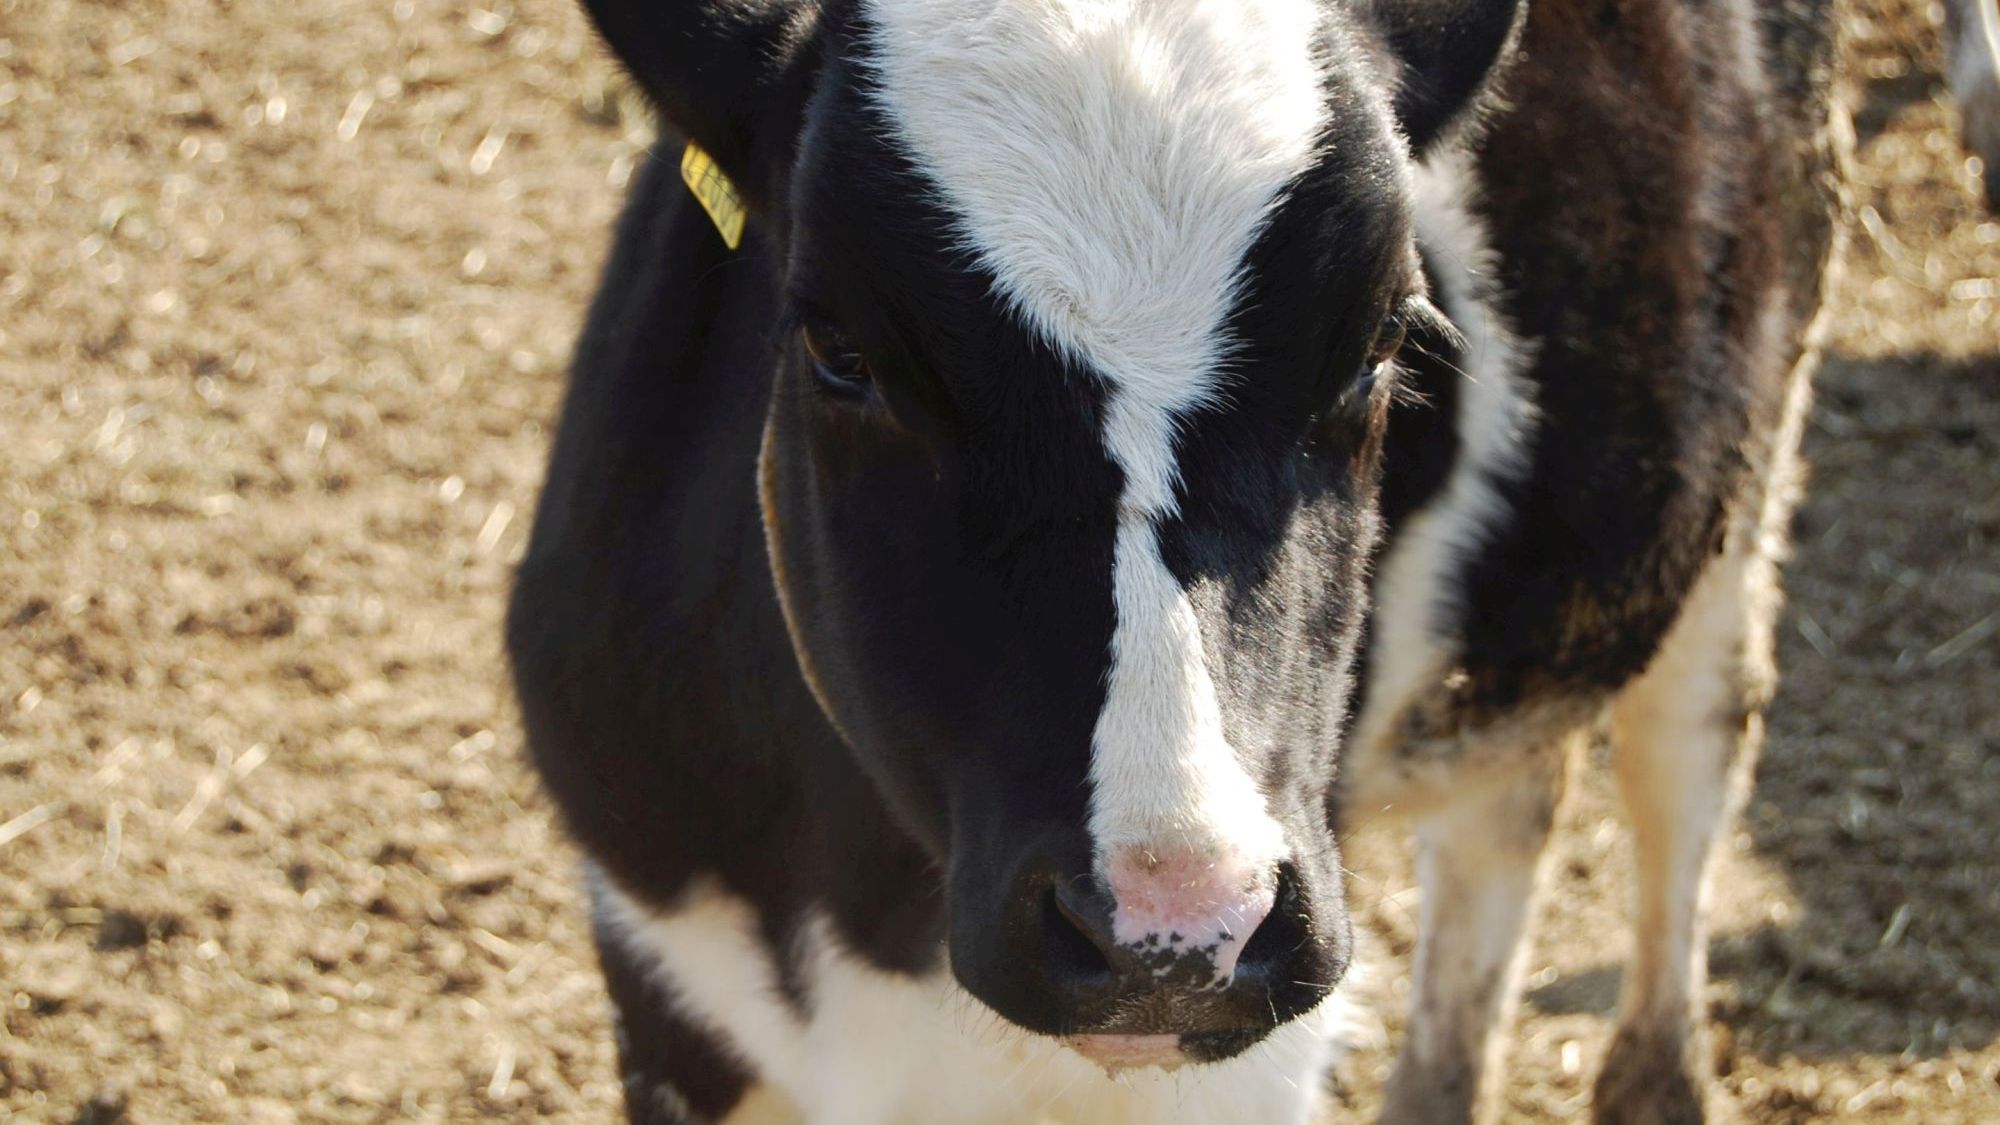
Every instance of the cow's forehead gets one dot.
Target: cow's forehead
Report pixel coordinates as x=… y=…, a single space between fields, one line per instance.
x=1110 y=163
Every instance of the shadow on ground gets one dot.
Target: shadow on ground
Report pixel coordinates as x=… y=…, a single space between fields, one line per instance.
x=1878 y=796
x=1881 y=98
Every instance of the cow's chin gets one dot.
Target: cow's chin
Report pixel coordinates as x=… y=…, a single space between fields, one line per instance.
x=1120 y=1054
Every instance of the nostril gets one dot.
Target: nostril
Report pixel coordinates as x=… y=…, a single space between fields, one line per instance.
x=1282 y=933
x=1074 y=947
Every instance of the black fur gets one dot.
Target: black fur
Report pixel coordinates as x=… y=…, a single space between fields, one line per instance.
x=674 y=1071
x=1639 y=271
x=1450 y=52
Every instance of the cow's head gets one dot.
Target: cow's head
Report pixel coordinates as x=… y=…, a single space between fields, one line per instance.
x=1069 y=475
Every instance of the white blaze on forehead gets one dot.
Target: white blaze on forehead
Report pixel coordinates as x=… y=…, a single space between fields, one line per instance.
x=1111 y=162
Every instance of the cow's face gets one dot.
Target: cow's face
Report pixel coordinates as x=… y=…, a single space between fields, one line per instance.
x=1091 y=317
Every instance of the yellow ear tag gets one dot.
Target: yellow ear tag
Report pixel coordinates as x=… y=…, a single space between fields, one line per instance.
x=715 y=193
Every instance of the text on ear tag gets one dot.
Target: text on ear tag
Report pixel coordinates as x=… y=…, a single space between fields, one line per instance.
x=715 y=193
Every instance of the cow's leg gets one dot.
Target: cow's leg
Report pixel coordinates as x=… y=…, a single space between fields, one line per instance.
x=1972 y=70
x=1684 y=735
x=1478 y=860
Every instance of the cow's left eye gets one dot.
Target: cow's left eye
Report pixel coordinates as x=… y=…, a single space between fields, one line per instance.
x=1388 y=341
x=837 y=362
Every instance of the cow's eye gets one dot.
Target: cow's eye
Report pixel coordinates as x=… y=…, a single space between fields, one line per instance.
x=1388 y=341
x=837 y=362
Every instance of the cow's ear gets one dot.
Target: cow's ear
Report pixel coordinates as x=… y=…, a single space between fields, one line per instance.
x=1447 y=52
x=728 y=75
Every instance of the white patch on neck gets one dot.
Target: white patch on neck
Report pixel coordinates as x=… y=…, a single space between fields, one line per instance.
x=1419 y=583
x=1111 y=162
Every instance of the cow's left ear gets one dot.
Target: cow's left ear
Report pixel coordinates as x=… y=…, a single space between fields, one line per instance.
x=1447 y=52
x=729 y=75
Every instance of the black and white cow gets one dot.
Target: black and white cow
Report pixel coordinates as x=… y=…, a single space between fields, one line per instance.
x=948 y=625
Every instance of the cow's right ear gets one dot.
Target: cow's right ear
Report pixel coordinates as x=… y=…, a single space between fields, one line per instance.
x=728 y=75
x=1447 y=54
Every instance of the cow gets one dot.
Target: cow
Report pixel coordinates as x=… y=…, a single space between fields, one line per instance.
x=1972 y=74
x=1036 y=473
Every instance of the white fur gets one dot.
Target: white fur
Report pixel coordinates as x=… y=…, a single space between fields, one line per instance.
x=1479 y=862
x=709 y=953
x=1674 y=756
x=1111 y=162
x=1161 y=770
x=885 y=1049
x=1682 y=762
x=1419 y=580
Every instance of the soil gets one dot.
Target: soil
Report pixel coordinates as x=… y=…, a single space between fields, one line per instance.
x=286 y=291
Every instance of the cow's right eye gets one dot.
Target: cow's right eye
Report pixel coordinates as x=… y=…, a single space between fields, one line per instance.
x=1388 y=341
x=837 y=363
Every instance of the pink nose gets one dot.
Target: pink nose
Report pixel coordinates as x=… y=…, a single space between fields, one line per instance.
x=1187 y=903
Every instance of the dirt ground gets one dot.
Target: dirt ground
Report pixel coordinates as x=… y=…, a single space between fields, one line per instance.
x=285 y=295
